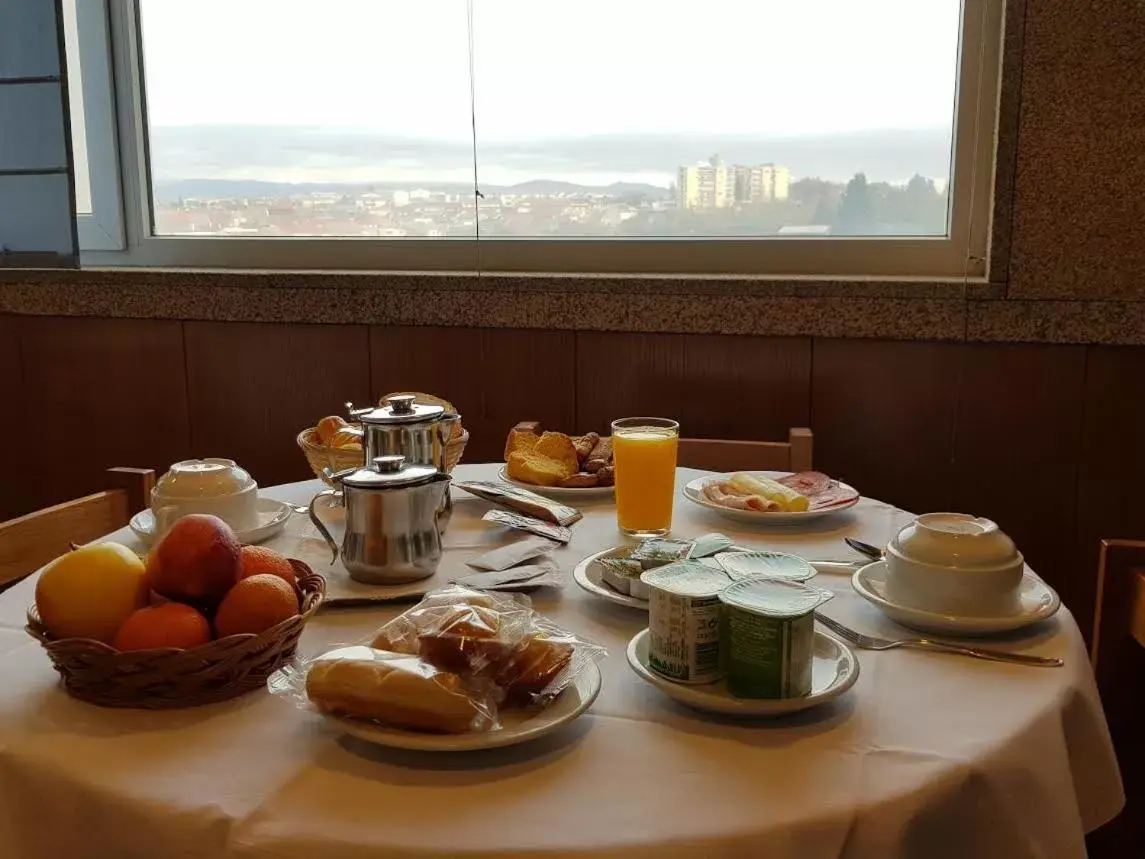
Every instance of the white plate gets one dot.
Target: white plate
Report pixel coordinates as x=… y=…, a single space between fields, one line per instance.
x=559 y=493
x=272 y=516
x=516 y=726
x=693 y=492
x=834 y=670
x=587 y=574
x=1037 y=601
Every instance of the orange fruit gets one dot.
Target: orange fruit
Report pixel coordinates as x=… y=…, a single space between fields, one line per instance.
x=255 y=604
x=169 y=625
x=260 y=559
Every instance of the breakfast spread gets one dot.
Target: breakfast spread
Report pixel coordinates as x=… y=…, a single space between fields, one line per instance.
x=557 y=459
x=767 y=636
x=806 y=491
x=450 y=664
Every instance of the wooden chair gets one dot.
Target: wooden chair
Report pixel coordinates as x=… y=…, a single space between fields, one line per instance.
x=29 y=542
x=727 y=455
x=1117 y=652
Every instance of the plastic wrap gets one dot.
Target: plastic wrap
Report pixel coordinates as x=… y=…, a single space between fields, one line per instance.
x=394 y=689
x=454 y=659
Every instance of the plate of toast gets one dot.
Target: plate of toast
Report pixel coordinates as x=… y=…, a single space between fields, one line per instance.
x=557 y=464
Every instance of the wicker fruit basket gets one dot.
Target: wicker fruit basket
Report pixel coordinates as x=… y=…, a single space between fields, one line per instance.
x=321 y=456
x=167 y=679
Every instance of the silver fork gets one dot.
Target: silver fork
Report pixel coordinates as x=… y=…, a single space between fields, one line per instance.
x=869 y=642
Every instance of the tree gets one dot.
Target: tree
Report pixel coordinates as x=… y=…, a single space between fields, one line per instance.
x=856 y=211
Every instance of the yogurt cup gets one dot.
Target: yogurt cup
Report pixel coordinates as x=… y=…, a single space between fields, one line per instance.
x=684 y=621
x=771 y=565
x=767 y=637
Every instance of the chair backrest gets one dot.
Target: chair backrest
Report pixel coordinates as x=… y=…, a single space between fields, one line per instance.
x=711 y=454
x=29 y=542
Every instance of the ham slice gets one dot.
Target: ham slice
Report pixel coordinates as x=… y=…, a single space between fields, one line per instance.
x=820 y=489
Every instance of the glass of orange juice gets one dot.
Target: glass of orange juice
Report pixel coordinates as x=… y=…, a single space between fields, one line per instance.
x=644 y=453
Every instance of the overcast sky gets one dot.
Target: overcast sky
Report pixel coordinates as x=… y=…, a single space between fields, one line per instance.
x=547 y=69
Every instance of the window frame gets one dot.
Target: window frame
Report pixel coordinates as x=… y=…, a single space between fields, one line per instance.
x=101 y=229
x=960 y=256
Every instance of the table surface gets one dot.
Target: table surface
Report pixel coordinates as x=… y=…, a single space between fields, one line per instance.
x=927 y=756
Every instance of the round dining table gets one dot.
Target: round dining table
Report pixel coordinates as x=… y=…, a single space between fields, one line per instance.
x=928 y=756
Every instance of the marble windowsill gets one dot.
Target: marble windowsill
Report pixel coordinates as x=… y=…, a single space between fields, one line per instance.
x=891 y=309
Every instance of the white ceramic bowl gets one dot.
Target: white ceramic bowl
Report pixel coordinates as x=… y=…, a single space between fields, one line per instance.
x=954 y=564
x=215 y=486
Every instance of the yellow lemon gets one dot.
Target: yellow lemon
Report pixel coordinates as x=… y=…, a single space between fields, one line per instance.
x=90 y=592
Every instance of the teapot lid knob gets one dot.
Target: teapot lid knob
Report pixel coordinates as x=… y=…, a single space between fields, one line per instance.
x=389 y=464
x=402 y=404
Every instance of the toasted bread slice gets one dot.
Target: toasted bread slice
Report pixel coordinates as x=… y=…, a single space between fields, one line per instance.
x=558 y=446
x=536 y=469
x=520 y=441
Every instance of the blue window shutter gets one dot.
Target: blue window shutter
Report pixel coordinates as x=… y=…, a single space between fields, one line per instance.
x=37 y=208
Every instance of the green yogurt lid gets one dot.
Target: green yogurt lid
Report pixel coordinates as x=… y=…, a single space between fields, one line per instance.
x=753 y=565
x=774 y=597
x=688 y=578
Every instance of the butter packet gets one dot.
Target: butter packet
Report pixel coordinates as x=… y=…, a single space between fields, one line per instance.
x=521 y=500
x=527 y=523
x=504 y=557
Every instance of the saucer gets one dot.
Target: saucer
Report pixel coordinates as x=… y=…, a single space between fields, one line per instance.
x=833 y=671
x=1037 y=601
x=272 y=516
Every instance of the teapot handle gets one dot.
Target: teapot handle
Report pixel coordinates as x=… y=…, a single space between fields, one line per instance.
x=333 y=493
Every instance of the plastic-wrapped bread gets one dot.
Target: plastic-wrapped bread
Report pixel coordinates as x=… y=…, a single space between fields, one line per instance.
x=395 y=689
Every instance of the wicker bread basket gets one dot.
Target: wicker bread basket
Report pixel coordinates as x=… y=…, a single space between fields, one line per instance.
x=166 y=679
x=321 y=456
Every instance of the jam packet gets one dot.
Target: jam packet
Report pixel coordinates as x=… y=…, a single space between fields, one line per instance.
x=528 y=523
x=504 y=557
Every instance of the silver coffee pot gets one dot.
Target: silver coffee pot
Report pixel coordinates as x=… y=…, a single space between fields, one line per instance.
x=393 y=520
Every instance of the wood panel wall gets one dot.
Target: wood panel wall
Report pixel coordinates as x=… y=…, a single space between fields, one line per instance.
x=1048 y=440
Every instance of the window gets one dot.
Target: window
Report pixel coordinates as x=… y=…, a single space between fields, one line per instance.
x=99 y=221
x=824 y=137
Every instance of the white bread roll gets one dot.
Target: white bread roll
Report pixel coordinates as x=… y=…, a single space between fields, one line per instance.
x=395 y=689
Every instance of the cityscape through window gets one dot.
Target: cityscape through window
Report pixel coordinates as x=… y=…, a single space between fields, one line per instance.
x=512 y=118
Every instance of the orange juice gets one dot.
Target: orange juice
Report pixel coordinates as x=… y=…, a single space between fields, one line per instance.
x=644 y=452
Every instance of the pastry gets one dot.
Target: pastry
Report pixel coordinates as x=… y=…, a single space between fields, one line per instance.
x=392 y=688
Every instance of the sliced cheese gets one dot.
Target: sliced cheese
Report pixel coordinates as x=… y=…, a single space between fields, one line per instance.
x=788 y=499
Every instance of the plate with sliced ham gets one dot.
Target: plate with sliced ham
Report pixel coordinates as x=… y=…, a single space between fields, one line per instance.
x=772 y=497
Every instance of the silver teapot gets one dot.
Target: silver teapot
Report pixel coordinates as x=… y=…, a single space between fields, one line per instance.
x=393 y=520
x=418 y=431
x=401 y=425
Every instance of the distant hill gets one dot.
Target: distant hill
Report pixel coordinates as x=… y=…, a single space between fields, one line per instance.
x=318 y=158
x=169 y=192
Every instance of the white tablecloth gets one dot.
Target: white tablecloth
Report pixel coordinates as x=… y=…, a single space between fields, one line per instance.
x=928 y=756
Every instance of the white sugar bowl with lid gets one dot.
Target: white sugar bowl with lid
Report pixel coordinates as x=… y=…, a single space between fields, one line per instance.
x=212 y=485
x=954 y=564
